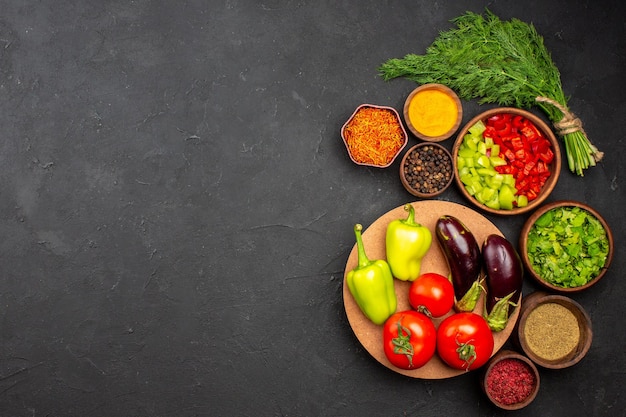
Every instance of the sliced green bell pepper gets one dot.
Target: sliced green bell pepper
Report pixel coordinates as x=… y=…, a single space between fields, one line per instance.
x=406 y=244
x=371 y=284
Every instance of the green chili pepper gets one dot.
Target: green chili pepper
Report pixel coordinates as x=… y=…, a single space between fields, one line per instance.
x=371 y=284
x=406 y=244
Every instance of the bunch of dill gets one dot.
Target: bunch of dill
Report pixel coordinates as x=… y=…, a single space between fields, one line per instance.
x=504 y=62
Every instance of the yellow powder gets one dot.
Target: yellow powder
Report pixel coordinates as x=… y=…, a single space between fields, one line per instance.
x=551 y=331
x=432 y=112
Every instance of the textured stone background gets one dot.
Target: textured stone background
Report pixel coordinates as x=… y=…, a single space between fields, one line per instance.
x=177 y=205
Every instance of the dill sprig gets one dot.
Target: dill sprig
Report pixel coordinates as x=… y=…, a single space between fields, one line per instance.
x=503 y=62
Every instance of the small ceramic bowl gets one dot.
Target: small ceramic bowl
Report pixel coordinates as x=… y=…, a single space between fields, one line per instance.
x=554 y=167
x=510 y=380
x=426 y=170
x=381 y=121
x=553 y=330
x=425 y=111
x=524 y=246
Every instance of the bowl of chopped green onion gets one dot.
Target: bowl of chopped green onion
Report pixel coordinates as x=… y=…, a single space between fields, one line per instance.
x=566 y=246
x=507 y=161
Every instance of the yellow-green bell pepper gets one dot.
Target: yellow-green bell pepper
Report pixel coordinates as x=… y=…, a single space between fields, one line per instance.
x=406 y=244
x=371 y=284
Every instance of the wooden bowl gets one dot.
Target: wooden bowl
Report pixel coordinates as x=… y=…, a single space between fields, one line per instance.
x=420 y=110
x=396 y=116
x=554 y=167
x=550 y=320
x=492 y=367
x=523 y=246
x=441 y=173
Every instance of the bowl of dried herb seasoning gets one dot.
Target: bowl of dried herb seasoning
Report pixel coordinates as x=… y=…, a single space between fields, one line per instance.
x=426 y=170
x=566 y=246
x=553 y=330
x=510 y=380
x=374 y=135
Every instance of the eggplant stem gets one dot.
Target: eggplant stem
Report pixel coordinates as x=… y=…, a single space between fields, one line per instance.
x=499 y=315
x=469 y=300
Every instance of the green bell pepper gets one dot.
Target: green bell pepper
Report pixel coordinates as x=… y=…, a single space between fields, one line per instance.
x=406 y=244
x=371 y=284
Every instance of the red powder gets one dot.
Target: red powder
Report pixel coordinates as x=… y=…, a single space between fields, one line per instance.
x=510 y=381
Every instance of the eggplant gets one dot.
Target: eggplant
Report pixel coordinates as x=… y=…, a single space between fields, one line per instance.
x=463 y=256
x=504 y=278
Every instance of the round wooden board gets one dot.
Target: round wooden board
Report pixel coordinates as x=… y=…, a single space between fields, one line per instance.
x=426 y=212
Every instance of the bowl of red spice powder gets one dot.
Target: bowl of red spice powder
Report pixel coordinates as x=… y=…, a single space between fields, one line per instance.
x=510 y=380
x=374 y=135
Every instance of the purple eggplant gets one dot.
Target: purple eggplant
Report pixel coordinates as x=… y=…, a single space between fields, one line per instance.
x=463 y=256
x=504 y=278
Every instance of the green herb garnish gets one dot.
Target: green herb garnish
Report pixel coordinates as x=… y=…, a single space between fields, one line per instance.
x=567 y=246
x=502 y=62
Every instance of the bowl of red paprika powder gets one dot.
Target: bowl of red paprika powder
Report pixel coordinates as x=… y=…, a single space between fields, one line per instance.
x=510 y=380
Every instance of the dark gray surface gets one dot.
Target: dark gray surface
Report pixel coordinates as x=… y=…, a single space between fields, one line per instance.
x=177 y=205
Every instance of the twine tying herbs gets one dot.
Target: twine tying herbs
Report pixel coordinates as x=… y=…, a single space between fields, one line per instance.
x=569 y=123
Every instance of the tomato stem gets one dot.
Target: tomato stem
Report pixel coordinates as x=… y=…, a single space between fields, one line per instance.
x=402 y=344
x=425 y=311
x=467 y=352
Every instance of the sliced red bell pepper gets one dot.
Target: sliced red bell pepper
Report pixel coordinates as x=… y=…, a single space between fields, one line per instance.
x=517 y=143
x=527 y=152
x=530 y=165
x=508 y=154
x=529 y=133
x=547 y=156
x=518 y=121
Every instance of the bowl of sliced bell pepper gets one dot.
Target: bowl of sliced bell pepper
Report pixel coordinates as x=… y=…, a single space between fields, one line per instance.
x=506 y=160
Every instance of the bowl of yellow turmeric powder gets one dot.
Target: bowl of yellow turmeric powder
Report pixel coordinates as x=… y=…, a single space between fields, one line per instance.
x=433 y=112
x=374 y=135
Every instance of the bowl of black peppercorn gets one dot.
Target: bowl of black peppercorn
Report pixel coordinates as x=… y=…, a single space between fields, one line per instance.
x=426 y=170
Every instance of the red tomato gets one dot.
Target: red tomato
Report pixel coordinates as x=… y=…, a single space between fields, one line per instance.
x=464 y=341
x=409 y=339
x=432 y=294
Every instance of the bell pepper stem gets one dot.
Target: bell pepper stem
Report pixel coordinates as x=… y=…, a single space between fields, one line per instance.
x=363 y=260
x=411 y=216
